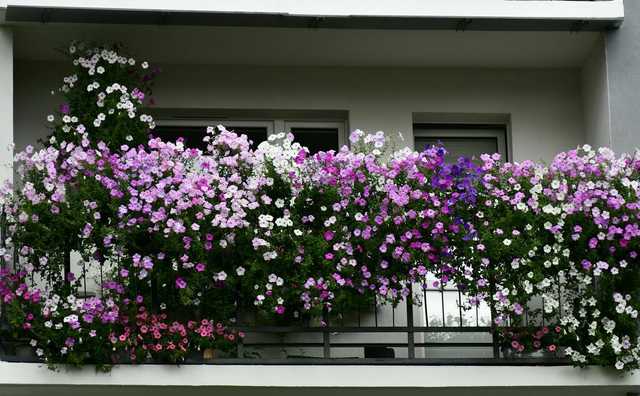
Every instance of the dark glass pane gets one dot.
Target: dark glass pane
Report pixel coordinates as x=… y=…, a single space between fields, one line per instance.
x=193 y=135
x=256 y=135
x=461 y=146
x=317 y=139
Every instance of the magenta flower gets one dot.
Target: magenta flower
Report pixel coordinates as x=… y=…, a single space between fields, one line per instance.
x=328 y=235
x=180 y=283
x=300 y=157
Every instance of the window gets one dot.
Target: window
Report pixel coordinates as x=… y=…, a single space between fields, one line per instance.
x=460 y=140
x=193 y=131
x=463 y=140
x=318 y=136
x=315 y=135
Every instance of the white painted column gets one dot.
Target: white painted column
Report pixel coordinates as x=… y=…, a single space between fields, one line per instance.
x=6 y=103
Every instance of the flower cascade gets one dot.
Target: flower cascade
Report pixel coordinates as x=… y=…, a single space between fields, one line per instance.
x=179 y=241
x=559 y=242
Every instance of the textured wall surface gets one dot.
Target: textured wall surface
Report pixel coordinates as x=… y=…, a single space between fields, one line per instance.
x=623 y=65
x=544 y=105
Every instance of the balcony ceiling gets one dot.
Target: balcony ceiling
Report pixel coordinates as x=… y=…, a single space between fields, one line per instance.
x=315 y=47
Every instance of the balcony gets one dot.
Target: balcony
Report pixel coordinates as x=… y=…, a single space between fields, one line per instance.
x=123 y=248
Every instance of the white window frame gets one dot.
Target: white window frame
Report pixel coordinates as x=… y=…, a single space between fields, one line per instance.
x=273 y=126
x=497 y=131
x=269 y=125
x=340 y=126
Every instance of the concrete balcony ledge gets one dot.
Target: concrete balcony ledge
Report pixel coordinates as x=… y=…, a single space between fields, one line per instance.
x=17 y=375
x=331 y=14
x=535 y=9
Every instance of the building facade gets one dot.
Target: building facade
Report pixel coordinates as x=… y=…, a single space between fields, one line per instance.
x=527 y=79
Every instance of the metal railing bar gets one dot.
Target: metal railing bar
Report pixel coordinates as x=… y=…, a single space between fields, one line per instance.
x=393 y=316
x=444 y=321
x=426 y=310
x=460 y=305
x=375 y=312
x=389 y=361
x=364 y=329
x=326 y=335
x=559 y=297
x=365 y=344
x=411 y=346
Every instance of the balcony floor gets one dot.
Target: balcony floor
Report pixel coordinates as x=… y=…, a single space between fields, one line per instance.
x=36 y=379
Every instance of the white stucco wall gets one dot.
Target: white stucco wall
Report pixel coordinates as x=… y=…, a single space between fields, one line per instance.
x=6 y=103
x=595 y=98
x=623 y=71
x=544 y=105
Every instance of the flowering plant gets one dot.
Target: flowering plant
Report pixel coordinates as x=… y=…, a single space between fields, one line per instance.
x=63 y=330
x=532 y=339
x=179 y=240
x=563 y=235
x=102 y=99
x=337 y=216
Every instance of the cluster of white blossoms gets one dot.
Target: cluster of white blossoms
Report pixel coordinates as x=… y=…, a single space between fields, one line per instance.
x=69 y=82
x=281 y=152
x=91 y=63
x=126 y=101
x=622 y=307
x=273 y=281
x=265 y=221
